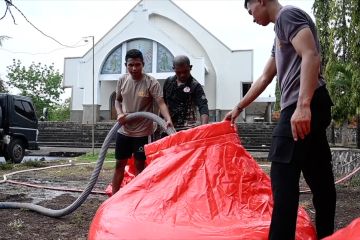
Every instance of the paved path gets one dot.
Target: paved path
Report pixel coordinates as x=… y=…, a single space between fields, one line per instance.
x=45 y=151
x=261 y=156
x=50 y=151
x=53 y=153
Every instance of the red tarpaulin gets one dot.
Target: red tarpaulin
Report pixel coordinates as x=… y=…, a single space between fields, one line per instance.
x=351 y=232
x=199 y=184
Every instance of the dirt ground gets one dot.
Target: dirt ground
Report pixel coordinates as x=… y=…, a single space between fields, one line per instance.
x=24 y=224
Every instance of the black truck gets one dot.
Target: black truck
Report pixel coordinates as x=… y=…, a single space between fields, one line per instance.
x=18 y=127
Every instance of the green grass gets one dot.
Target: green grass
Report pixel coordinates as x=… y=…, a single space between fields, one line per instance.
x=355 y=181
x=6 y=166
x=16 y=224
x=89 y=157
x=34 y=163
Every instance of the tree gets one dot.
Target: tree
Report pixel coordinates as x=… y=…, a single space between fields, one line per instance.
x=40 y=82
x=355 y=61
x=61 y=112
x=322 y=11
x=338 y=71
x=2 y=82
x=354 y=40
x=278 y=96
x=339 y=30
x=336 y=32
x=340 y=90
x=3 y=87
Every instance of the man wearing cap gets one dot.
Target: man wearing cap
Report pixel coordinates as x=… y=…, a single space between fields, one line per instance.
x=182 y=94
x=299 y=143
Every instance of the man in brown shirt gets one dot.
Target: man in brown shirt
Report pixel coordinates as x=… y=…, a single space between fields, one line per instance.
x=135 y=92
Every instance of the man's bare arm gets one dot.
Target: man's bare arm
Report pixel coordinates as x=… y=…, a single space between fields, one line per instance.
x=164 y=111
x=305 y=47
x=120 y=115
x=255 y=90
x=204 y=119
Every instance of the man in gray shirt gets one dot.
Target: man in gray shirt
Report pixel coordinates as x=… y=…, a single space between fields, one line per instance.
x=299 y=140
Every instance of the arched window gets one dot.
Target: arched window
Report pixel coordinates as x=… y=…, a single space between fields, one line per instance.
x=113 y=63
x=146 y=47
x=157 y=58
x=164 y=59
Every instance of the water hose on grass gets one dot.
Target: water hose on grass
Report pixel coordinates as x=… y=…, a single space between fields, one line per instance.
x=56 y=213
x=6 y=180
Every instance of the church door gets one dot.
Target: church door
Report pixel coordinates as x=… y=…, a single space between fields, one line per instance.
x=112 y=106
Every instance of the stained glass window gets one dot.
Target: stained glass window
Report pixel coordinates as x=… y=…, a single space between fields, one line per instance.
x=164 y=59
x=146 y=47
x=113 y=62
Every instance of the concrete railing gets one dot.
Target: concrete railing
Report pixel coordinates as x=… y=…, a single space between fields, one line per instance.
x=345 y=160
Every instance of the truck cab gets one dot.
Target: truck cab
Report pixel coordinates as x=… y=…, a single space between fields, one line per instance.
x=18 y=127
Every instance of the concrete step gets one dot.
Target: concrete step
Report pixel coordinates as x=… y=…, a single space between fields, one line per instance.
x=254 y=136
x=74 y=145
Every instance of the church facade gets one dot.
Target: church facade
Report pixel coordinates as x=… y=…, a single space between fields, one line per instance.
x=160 y=30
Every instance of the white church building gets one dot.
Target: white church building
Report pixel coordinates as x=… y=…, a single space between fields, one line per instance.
x=161 y=30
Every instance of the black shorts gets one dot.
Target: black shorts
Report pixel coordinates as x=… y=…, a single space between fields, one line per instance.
x=127 y=146
x=283 y=147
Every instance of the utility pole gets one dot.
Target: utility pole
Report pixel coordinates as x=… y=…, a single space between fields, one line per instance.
x=93 y=94
x=358 y=126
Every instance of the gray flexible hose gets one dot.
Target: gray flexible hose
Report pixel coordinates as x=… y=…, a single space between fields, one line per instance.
x=56 y=213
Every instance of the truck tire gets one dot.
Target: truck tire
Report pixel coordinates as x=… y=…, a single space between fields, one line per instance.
x=16 y=150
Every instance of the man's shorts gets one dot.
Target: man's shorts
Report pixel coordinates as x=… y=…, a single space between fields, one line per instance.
x=127 y=146
x=283 y=146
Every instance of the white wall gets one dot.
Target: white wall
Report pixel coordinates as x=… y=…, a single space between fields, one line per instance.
x=226 y=68
x=160 y=22
x=107 y=88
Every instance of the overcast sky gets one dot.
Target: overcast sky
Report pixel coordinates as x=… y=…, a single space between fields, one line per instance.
x=68 y=21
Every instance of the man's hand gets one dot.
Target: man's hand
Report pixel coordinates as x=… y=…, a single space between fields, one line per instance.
x=232 y=115
x=169 y=124
x=301 y=122
x=121 y=118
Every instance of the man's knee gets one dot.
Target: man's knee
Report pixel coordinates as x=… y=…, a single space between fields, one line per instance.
x=140 y=165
